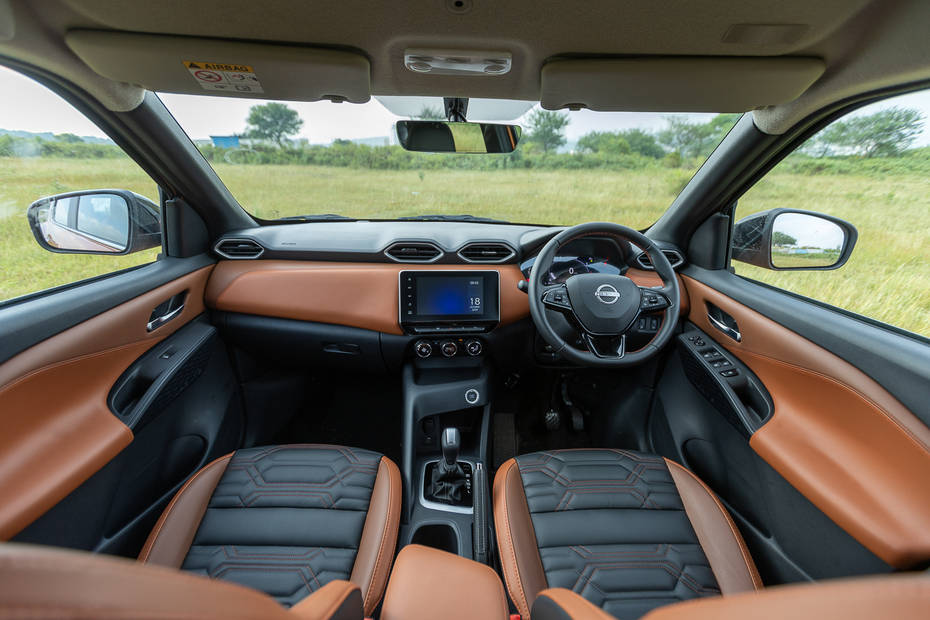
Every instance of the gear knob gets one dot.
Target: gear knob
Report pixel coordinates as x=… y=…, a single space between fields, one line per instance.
x=451 y=444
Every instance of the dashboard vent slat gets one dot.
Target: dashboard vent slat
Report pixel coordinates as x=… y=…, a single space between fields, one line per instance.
x=673 y=256
x=486 y=252
x=413 y=252
x=238 y=249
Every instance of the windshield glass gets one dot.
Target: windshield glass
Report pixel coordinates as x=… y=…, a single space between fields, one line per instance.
x=289 y=159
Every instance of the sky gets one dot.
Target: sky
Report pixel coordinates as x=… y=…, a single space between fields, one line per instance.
x=26 y=105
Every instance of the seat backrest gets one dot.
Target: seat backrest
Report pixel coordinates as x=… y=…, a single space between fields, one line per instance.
x=44 y=582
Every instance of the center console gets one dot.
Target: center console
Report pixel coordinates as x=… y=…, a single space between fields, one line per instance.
x=446 y=410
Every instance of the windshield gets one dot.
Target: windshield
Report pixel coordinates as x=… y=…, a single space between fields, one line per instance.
x=326 y=160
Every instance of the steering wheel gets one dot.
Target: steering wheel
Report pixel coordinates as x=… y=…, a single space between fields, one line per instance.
x=603 y=307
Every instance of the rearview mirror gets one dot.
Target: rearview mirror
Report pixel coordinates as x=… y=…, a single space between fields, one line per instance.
x=793 y=240
x=95 y=222
x=449 y=137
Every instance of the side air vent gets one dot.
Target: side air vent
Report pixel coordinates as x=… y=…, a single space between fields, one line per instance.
x=238 y=249
x=413 y=252
x=486 y=252
x=673 y=256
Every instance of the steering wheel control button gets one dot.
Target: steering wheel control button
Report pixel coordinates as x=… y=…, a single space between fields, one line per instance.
x=472 y=396
x=653 y=301
x=557 y=297
x=473 y=347
x=423 y=349
x=449 y=348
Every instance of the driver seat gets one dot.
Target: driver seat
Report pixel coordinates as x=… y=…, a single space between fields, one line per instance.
x=626 y=530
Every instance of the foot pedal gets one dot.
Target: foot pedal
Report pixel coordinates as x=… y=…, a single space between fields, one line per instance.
x=577 y=419
x=553 y=420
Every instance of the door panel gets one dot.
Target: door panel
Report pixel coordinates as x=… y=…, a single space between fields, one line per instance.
x=836 y=435
x=57 y=427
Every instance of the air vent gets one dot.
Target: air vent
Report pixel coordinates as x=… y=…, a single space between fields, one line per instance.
x=413 y=252
x=238 y=249
x=486 y=252
x=673 y=256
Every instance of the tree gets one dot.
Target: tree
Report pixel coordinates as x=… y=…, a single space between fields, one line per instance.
x=643 y=142
x=886 y=133
x=781 y=238
x=547 y=129
x=603 y=142
x=691 y=139
x=429 y=113
x=273 y=121
x=70 y=138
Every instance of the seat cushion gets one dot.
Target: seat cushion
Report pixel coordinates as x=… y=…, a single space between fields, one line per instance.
x=286 y=520
x=627 y=531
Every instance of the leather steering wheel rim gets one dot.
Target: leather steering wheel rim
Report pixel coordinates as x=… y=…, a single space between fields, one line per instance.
x=670 y=290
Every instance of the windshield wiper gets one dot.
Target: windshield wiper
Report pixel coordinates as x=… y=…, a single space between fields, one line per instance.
x=320 y=217
x=452 y=218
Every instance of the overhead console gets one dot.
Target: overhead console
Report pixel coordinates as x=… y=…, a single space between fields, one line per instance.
x=448 y=302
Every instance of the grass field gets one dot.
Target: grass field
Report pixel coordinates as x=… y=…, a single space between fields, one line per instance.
x=887 y=278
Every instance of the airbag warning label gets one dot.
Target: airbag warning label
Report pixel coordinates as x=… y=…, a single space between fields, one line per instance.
x=223 y=77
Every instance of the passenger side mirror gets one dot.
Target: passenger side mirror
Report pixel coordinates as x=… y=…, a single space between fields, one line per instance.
x=793 y=240
x=449 y=137
x=95 y=222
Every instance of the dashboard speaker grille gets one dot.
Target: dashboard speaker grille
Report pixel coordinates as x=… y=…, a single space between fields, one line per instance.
x=486 y=252
x=238 y=249
x=413 y=252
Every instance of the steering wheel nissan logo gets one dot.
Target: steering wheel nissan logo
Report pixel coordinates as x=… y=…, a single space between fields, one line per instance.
x=607 y=294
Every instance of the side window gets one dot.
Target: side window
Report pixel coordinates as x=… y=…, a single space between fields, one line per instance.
x=72 y=204
x=871 y=170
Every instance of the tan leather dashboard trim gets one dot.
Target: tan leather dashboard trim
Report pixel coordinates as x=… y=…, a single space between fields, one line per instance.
x=353 y=294
x=56 y=427
x=836 y=435
x=650 y=278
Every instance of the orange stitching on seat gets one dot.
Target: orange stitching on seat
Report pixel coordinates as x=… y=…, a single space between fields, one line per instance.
x=525 y=609
x=747 y=558
x=150 y=544
x=384 y=532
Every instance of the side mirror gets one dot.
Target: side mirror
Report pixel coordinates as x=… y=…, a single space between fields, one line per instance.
x=449 y=137
x=104 y=221
x=793 y=240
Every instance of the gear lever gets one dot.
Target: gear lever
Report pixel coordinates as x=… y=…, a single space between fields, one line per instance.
x=451 y=444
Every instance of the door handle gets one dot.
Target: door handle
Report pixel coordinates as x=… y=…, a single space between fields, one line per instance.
x=166 y=311
x=161 y=320
x=726 y=329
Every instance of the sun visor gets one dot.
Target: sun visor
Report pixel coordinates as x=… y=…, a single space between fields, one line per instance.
x=196 y=66
x=679 y=84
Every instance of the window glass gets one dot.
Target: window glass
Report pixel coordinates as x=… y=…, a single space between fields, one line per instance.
x=49 y=148
x=872 y=169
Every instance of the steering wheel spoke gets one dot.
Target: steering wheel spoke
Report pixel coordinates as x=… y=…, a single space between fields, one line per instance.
x=611 y=347
x=653 y=300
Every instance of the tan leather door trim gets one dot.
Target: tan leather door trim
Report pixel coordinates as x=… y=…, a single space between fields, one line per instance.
x=56 y=427
x=351 y=294
x=836 y=435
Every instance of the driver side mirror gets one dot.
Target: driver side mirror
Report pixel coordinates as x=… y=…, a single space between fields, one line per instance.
x=95 y=222
x=793 y=240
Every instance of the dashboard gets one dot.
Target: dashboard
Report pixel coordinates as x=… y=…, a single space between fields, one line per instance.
x=592 y=255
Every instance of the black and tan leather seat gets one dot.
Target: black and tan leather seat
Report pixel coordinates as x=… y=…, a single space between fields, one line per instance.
x=286 y=520
x=627 y=531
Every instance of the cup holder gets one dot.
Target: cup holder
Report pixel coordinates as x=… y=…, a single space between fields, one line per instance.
x=438 y=536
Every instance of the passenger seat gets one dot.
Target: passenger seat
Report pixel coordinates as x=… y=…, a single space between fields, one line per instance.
x=286 y=520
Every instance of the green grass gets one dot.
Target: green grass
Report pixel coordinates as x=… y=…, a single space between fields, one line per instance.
x=887 y=278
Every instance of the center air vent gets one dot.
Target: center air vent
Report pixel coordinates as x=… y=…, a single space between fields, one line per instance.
x=238 y=249
x=413 y=252
x=673 y=256
x=486 y=252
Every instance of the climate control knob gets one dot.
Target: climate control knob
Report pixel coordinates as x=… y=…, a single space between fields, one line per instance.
x=474 y=347
x=423 y=349
x=449 y=348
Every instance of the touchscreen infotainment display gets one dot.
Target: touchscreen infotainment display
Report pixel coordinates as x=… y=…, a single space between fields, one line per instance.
x=443 y=297
x=450 y=296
